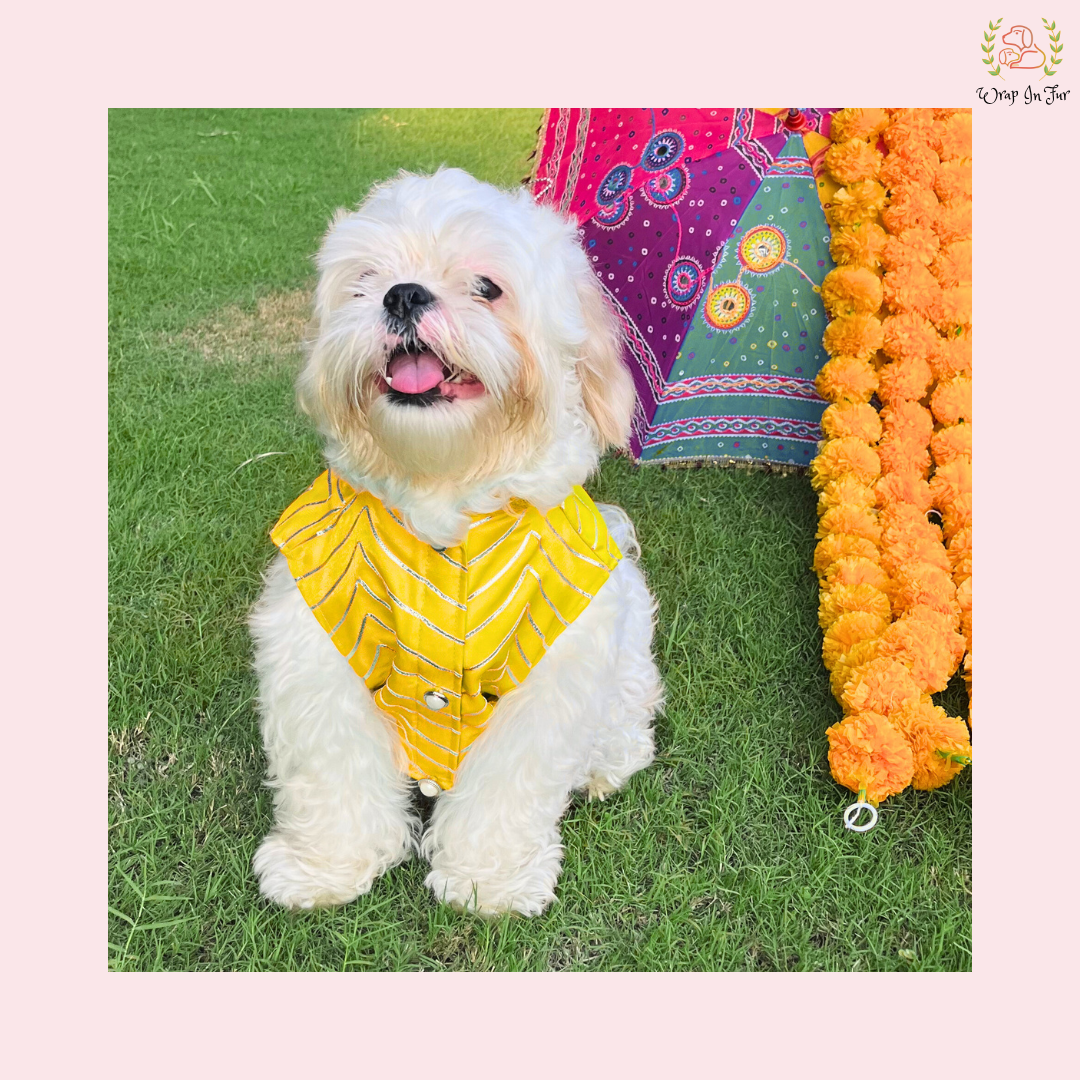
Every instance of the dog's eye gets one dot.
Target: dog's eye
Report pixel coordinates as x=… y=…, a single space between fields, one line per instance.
x=487 y=288
x=357 y=287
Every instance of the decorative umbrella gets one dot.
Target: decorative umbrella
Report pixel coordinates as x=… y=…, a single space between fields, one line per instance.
x=706 y=230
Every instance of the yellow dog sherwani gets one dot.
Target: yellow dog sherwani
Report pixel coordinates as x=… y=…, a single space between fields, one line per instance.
x=440 y=635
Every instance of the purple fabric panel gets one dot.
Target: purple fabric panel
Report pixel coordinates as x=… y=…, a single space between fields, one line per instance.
x=633 y=253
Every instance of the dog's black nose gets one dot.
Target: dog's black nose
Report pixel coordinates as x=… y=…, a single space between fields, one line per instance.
x=402 y=300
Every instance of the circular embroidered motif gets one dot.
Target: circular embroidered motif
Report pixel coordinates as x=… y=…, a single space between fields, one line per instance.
x=682 y=281
x=663 y=151
x=666 y=188
x=763 y=249
x=727 y=306
x=611 y=217
x=614 y=184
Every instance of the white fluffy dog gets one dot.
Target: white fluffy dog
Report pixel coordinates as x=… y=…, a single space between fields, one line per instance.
x=511 y=387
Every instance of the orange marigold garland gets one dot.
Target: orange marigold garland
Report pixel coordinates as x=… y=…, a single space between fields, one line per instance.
x=896 y=585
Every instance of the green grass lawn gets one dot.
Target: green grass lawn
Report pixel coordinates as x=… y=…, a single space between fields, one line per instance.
x=728 y=853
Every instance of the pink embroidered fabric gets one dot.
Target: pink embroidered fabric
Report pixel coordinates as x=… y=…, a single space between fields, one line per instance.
x=706 y=231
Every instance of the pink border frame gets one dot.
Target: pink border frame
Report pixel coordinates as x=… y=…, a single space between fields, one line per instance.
x=66 y=1011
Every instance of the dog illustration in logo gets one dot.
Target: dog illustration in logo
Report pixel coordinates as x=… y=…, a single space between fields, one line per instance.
x=1025 y=54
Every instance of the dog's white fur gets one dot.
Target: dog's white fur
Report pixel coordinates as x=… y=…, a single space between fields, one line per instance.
x=556 y=394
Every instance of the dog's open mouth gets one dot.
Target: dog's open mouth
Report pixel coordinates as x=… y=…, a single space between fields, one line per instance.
x=415 y=375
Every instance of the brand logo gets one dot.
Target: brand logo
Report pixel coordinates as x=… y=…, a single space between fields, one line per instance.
x=1016 y=55
x=1021 y=50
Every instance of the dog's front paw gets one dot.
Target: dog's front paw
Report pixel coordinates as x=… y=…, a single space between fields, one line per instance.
x=599 y=787
x=525 y=888
x=296 y=881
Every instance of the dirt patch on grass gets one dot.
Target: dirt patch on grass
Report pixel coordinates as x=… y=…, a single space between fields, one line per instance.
x=268 y=334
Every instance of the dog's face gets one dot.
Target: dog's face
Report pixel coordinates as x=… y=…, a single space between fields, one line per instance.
x=457 y=329
x=1019 y=36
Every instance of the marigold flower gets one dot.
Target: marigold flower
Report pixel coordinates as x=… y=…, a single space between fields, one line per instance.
x=882 y=685
x=858 y=202
x=869 y=193
x=838 y=545
x=853 y=335
x=910 y=206
x=845 y=491
x=917 y=244
x=855 y=571
x=951 y=442
x=864 y=124
x=904 y=380
x=847 y=456
x=952 y=265
x=904 y=487
x=858 y=245
x=911 y=163
x=939 y=743
x=909 y=125
x=926 y=585
x=925 y=575
x=851 y=628
x=901 y=456
x=953 y=139
x=954 y=316
x=912 y=288
x=946 y=623
x=851 y=290
x=908 y=548
x=910 y=335
x=852 y=418
x=908 y=420
x=843 y=209
x=956 y=516
x=952 y=221
x=862 y=652
x=923 y=650
x=844 y=598
x=951 y=400
x=852 y=160
x=854 y=520
x=951 y=480
x=867 y=754
x=846 y=378
x=953 y=357
x=960 y=544
x=952 y=180
x=902 y=521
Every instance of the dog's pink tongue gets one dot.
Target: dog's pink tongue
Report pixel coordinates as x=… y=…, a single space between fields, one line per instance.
x=414 y=373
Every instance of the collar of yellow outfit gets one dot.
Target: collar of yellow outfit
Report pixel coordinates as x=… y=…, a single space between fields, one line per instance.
x=440 y=635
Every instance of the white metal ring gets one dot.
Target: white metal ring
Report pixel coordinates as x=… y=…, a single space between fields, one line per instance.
x=852 y=812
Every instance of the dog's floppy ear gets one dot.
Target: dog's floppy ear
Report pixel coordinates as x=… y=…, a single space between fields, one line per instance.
x=606 y=384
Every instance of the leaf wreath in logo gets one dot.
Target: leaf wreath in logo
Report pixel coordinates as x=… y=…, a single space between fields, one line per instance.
x=988 y=48
x=1055 y=47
